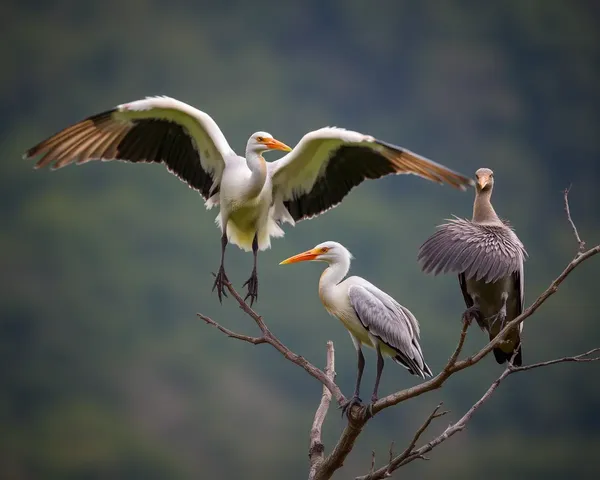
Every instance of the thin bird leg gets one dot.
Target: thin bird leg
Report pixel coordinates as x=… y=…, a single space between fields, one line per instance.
x=380 y=363
x=473 y=312
x=221 y=277
x=501 y=315
x=252 y=282
x=355 y=400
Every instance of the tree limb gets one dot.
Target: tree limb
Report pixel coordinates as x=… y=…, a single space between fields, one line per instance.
x=412 y=455
x=316 y=450
x=268 y=337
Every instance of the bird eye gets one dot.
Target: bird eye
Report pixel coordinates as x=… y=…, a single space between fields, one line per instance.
x=324 y=250
x=260 y=139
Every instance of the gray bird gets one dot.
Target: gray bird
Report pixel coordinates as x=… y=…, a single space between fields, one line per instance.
x=488 y=257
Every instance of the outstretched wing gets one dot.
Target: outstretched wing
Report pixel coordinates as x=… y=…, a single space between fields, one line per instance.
x=327 y=163
x=488 y=252
x=157 y=129
x=391 y=323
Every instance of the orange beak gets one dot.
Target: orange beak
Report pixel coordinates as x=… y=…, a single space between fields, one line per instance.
x=482 y=182
x=276 y=145
x=301 y=257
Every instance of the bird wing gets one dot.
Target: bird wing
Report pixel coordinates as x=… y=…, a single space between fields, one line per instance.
x=488 y=252
x=156 y=129
x=391 y=323
x=327 y=163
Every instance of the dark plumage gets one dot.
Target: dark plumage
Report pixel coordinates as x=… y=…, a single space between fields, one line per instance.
x=488 y=257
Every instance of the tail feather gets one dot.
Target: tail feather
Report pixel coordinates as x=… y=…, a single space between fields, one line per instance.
x=503 y=357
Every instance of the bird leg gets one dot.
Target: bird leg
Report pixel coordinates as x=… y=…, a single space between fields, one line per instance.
x=221 y=278
x=252 y=282
x=473 y=312
x=355 y=400
x=501 y=315
x=380 y=363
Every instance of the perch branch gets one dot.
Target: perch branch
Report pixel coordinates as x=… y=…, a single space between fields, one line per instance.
x=568 y=212
x=268 y=337
x=412 y=454
x=315 y=452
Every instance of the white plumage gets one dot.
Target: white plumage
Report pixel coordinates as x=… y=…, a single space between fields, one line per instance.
x=254 y=196
x=371 y=316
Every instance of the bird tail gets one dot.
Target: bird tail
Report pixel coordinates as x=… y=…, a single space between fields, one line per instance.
x=412 y=365
x=504 y=354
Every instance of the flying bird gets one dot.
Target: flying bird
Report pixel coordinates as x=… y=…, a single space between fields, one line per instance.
x=488 y=257
x=371 y=316
x=255 y=197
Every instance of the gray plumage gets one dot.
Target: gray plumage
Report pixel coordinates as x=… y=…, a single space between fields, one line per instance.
x=489 y=258
x=391 y=323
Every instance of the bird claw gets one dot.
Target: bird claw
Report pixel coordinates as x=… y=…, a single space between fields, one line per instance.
x=347 y=406
x=220 y=281
x=252 y=283
x=473 y=313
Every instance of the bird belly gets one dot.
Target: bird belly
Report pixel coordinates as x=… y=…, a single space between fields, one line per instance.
x=489 y=299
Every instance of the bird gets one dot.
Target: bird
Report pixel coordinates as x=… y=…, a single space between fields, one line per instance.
x=255 y=197
x=371 y=316
x=489 y=259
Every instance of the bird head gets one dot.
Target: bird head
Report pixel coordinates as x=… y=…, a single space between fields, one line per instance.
x=485 y=179
x=329 y=252
x=262 y=141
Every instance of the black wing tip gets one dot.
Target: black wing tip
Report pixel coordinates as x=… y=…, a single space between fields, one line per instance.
x=503 y=357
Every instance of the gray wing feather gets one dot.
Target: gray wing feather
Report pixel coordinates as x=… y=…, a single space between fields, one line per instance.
x=488 y=252
x=392 y=323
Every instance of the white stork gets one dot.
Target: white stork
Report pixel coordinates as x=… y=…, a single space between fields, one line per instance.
x=371 y=316
x=254 y=196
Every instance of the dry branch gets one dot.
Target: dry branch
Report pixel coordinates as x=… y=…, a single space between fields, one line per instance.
x=268 y=337
x=315 y=452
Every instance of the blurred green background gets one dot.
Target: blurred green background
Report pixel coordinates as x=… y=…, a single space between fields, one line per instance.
x=105 y=371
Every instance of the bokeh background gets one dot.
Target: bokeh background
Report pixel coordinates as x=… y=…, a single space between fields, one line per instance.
x=105 y=371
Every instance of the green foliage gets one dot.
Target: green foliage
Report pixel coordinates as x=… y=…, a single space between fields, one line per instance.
x=105 y=372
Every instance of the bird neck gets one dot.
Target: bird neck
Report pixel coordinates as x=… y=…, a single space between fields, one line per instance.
x=334 y=274
x=258 y=168
x=483 y=211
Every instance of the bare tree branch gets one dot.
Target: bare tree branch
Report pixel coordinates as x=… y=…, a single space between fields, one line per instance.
x=568 y=211
x=268 y=337
x=404 y=458
x=315 y=452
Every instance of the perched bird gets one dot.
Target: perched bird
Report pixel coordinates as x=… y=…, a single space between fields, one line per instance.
x=371 y=316
x=488 y=257
x=254 y=196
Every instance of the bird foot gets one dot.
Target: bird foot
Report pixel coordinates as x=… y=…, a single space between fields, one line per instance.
x=347 y=406
x=500 y=316
x=220 y=281
x=374 y=399
x=473 y=313
x=252 y=283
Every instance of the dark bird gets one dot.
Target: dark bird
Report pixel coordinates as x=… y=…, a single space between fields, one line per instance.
x=488 y=257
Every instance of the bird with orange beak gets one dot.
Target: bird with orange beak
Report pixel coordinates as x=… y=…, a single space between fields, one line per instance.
x=371 y=316
x=255 y=197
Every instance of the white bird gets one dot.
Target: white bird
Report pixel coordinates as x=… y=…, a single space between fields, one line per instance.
x=371 y=316
x=254 y=196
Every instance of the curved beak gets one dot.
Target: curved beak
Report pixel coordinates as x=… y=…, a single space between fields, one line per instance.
x=301 y=257
x=273 y=144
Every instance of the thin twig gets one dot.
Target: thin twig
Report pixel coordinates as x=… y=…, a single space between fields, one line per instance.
x=231 y=333
x=315 y=452
x=387 y=470
x=568 y=211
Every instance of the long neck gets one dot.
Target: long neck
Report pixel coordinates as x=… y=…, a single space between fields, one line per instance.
x=334 y=273
x=483 y=212
x=258 y=168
